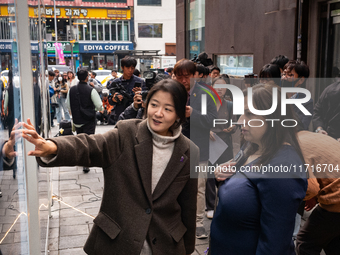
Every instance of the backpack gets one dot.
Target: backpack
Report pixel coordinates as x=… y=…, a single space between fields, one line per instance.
x=65 y=128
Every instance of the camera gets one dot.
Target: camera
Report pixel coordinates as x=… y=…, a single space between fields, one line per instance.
x=144 y=95
x=149 y=78
x=120 y=90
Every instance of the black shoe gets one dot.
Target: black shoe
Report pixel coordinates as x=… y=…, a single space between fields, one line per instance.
x=0 y=196
x=201 y=233
x=86 y=170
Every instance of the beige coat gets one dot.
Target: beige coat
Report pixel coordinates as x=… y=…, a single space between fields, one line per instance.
x=129 y=212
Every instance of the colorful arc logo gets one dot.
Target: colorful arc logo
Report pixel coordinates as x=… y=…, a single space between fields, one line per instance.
x=209 y=93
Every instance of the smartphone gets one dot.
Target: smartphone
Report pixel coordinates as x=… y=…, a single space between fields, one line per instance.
x=137 y=85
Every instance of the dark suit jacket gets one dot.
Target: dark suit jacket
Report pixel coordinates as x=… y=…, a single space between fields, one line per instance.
x=129 y=213
x=199 y=132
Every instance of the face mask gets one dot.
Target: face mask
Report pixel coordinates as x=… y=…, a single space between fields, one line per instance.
x=60 y=78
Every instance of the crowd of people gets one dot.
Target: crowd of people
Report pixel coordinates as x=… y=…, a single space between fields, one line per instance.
x=157 y=188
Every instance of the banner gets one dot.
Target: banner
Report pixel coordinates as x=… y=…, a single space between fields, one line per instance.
x=60 y=52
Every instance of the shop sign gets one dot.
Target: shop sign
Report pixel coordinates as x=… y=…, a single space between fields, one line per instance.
x=51 y=48
x=117 y=14
x=68 y=12
x=8 y=46
x=90 y=13
x=104 y=47
x=5 y=47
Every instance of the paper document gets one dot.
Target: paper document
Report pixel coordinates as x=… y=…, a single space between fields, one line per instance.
x=216 y=148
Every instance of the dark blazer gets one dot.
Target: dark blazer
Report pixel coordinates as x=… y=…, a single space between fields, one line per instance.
x=129 y=213
x=199 y=132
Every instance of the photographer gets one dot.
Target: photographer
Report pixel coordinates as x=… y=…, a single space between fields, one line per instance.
x=61 y=93
x=95 y=83
x=136 y=109
x=122 y=89
x=103 y=116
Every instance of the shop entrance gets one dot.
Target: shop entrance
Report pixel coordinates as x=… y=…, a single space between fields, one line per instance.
x=329 y=47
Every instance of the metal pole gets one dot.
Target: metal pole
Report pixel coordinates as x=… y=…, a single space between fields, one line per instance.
x=56 y=33
x=27 y=100
x=71 y=23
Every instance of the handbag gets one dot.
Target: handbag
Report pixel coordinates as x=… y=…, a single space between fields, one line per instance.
x=87 y=114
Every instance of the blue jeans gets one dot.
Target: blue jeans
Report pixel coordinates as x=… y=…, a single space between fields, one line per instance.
x=62 y=106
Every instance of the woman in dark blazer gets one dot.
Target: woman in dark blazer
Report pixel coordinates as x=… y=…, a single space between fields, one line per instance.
x=149 y=199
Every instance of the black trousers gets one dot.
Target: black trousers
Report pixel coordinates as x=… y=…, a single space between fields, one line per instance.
x=321 y=231
x=88 y=128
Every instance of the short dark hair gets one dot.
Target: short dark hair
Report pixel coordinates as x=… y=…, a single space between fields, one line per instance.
x=300 y=68
x=215 y=68
x=51 y=73
x=169 y=70
x=280 y=60
x=82 y=74
x=94 y=74
x=179 y=96
x=136 y=72
x=270 y=71
x=184 y=65
x=161 y=76
x=128 y=61
x=201 y=69
x=114 y=70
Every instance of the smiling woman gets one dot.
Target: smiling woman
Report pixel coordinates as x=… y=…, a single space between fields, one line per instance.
x=149 y=201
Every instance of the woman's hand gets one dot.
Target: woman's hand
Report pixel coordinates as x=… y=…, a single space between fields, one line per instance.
x=43 y=148
x=229 y=129
x=225 y=171
x=212 y=138
x=8 y=148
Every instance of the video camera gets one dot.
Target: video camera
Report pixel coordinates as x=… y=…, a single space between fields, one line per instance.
x=149 y=78
x=120 y=90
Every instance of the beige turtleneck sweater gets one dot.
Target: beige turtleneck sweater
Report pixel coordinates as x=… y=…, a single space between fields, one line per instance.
x=163 y=147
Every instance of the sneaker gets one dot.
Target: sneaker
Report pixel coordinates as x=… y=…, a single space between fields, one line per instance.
x=210 y=214
x=86 y=170
x=201 y=233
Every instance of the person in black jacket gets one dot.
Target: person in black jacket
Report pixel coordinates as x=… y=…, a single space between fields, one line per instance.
x=84 y=101
x=122 y=98
x=197 y=128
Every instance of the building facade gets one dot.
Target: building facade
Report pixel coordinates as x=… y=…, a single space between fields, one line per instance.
x=155 y=30
x=97 y=28
x=242 y=36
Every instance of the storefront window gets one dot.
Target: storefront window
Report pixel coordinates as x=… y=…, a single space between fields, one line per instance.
x=5 y=29
x=94 y=30
x=107 y=30
x=87 y=30
x=114 y=30
x=100 y=30
x=196 y=27
x=103 y=30
x=80 y=30
x=148 y=30
x=126 y=31
x=235 y=64
x=120 y=30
